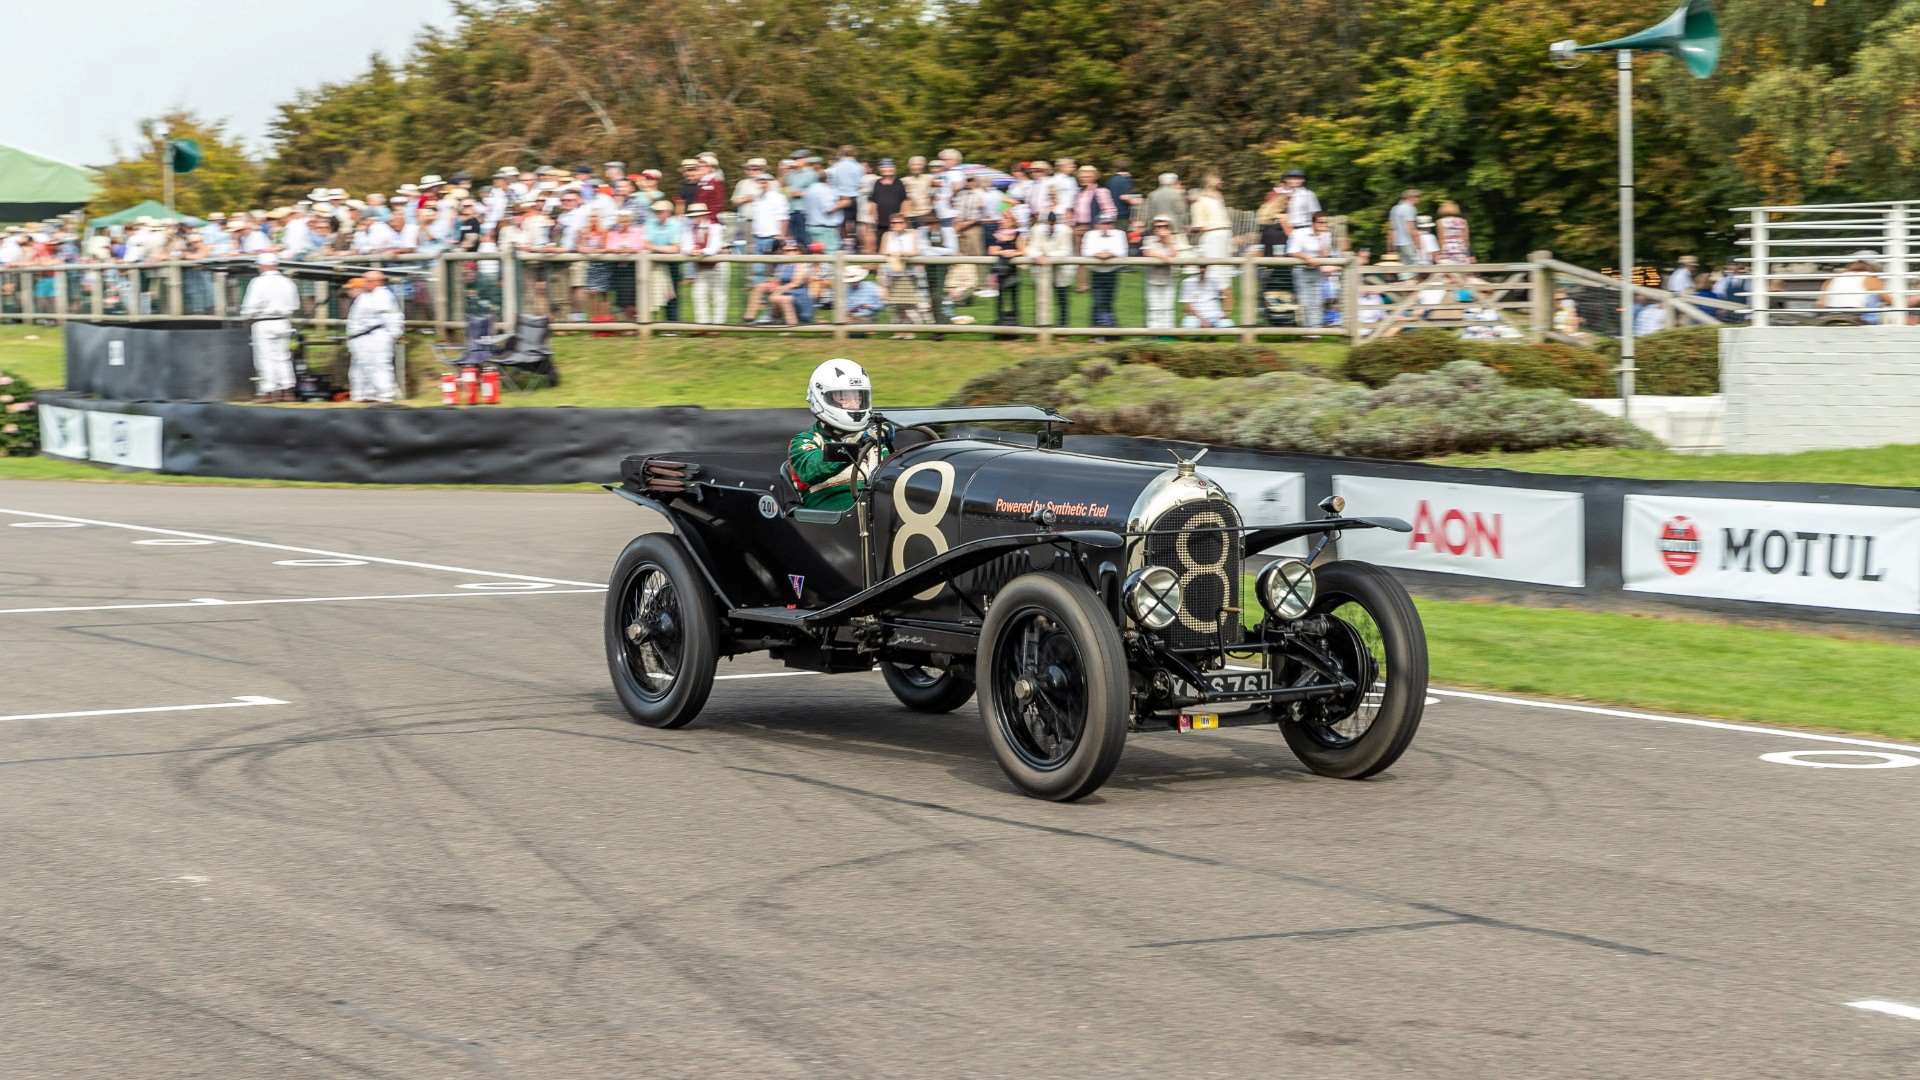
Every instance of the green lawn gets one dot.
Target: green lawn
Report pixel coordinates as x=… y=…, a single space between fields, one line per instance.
x=1704 y=666
x=34 y=353
x=1887 y=466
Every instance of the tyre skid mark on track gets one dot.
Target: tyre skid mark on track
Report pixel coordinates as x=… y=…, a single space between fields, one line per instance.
x=476 y=1053
x=1292 y=877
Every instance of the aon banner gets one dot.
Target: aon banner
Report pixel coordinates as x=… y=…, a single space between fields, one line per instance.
x=1514 y=534
x=1864 y=558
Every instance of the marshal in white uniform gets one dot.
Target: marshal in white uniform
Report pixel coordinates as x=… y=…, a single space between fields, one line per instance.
x=373 y=325
x=271 y=298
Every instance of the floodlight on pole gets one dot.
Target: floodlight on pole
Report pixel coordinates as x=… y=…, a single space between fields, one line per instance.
x=1691 y=33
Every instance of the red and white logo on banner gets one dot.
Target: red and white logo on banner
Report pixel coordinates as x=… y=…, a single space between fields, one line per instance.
x=1514 y=534
x=1680 y=544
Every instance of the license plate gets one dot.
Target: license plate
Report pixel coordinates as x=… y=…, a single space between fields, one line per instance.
x=1239 y=683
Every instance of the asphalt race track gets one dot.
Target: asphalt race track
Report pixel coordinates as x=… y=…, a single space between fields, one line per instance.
x=371 y=809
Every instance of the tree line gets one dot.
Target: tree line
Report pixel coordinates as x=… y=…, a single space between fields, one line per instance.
x=1813 y=101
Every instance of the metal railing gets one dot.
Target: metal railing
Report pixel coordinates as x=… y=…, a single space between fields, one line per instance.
x=1838 y=263
x=1246 y=298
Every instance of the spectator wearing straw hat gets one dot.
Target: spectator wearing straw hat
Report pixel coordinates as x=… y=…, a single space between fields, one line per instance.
x=864 y=300
x=1166 y=245
x=704 y=239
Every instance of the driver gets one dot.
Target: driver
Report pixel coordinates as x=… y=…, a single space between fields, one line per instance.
x=821 y=458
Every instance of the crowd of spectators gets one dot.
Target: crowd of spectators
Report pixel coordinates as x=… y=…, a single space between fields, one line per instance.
x=1025 y=219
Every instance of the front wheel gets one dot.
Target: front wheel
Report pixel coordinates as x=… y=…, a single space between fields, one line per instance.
x=1053 y=687
x=1375 y=638
x=660 y=632
x=925 y=689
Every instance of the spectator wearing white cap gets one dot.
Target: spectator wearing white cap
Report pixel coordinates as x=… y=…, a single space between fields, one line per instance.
x=1106 y=243
x=270 y=302
x=704 y=239
x=666 y=235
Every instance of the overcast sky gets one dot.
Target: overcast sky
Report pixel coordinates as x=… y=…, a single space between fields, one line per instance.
x=75 y=88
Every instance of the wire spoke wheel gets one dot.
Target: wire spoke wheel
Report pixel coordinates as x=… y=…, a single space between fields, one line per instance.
x=653 y=628
x=660 y=633
x=1040 y=673
x=1374 y=642
x=1355 y=640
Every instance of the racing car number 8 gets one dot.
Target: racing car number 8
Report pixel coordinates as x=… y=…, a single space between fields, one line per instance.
x=1194 y=568
x=914 y=523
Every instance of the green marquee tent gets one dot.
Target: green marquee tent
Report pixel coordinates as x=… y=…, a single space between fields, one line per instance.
x=131 y=214
x=33 y=188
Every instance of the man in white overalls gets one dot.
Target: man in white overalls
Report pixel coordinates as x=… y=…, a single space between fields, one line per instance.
x=271 y=299
x=373 y=325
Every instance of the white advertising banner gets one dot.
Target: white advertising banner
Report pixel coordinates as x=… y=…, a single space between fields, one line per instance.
x=1265 y=498
x=63 y=432
x=1514 y=534
x=1863 y=558
x=119 y=439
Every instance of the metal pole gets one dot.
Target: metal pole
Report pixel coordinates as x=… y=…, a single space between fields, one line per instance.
x=1759 y=298
x=1625 y=67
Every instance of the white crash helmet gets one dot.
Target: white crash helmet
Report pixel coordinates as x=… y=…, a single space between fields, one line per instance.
x=840 y=395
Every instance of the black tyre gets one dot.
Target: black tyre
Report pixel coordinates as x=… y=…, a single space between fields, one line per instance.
x=1053 y=687
x=925 y=689
x=1375 y=636
x=660 y=632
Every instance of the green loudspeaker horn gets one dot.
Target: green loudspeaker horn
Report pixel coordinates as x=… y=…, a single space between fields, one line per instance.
x=1690 y=33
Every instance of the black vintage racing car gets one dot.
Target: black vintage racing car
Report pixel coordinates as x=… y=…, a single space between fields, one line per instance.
x=1081 y=597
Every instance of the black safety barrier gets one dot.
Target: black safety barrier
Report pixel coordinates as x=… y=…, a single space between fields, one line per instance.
x=160 y=361
x=506 y=445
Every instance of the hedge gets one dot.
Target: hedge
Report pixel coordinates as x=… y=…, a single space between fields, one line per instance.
x=19 y=420
x=1684 y=362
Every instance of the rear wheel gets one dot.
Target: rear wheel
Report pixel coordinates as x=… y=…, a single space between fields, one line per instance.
x=1375 y=639
x=927 y=689
x=660 y=632
x=1053 y=691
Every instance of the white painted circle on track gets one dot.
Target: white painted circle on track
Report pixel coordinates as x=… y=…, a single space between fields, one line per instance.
x=319 y=562
x=173 y=541
x=1878 y=759
x=46 y=524
x=507 y=586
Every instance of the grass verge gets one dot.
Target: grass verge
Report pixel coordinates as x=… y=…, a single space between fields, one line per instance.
x=1885 y=466
x=1707 y=668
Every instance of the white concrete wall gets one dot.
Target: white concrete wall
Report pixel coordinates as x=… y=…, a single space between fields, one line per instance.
x=1691 y=425
x=1820 y=387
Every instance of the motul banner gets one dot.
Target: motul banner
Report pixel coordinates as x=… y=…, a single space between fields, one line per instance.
x=1516 y=534
x=1864 y=558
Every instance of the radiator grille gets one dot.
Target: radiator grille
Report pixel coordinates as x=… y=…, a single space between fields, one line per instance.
x=1209 y=565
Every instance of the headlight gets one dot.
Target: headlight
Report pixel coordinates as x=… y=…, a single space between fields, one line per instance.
x=1153 y=597
x=1286 y=588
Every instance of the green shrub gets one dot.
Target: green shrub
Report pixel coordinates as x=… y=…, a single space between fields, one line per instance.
x=1204 y=361
x=1377 y=363
x=1460 y=408
x=1031 y=382
x=1578 y=371
x=19 y=420
x=1683 y=362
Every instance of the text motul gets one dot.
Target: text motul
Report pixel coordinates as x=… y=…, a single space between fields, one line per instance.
x=1775 y=551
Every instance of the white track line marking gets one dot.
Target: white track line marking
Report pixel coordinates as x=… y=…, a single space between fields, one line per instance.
x=776 y=674
x=1880 y=760
x=301 y=550
x=1624 y=714
x=212 y=601
x=1891 y=1008
x=246 y=702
